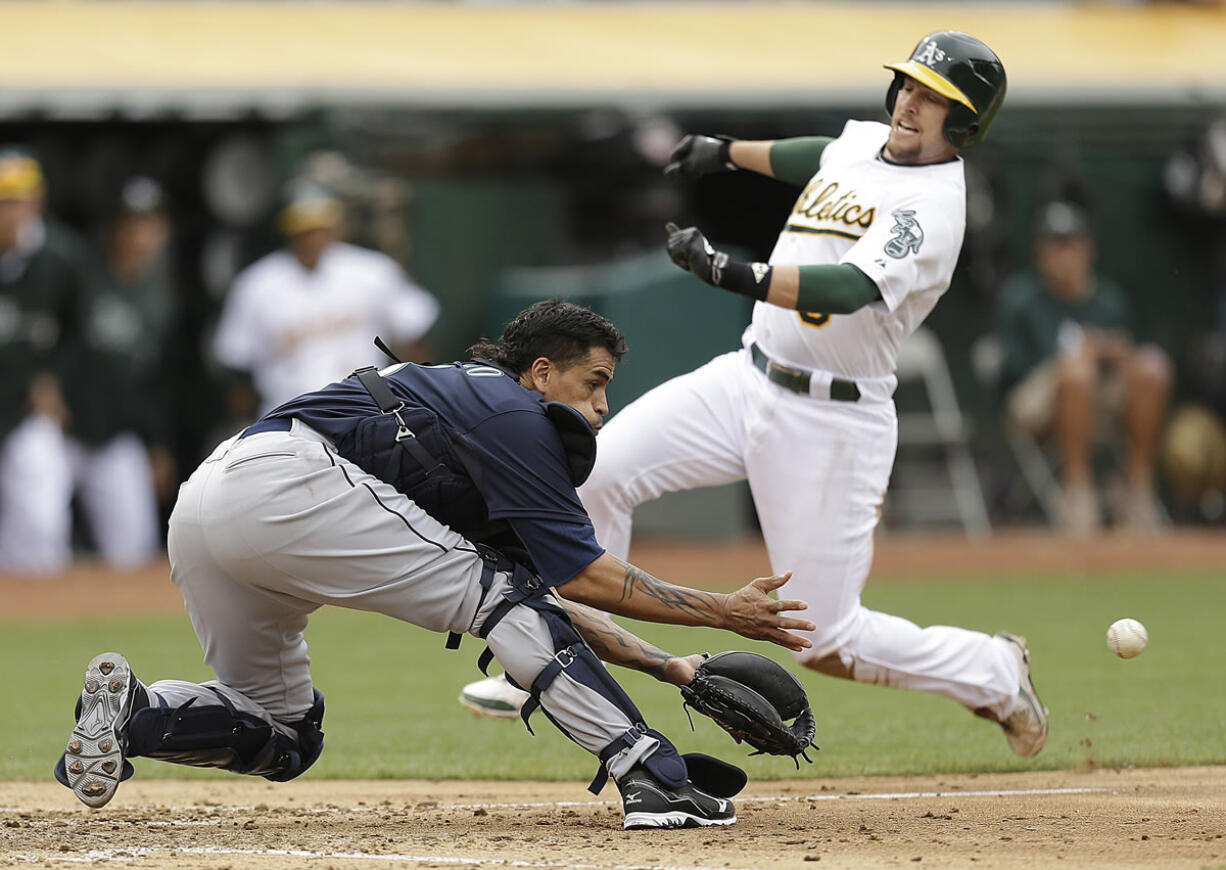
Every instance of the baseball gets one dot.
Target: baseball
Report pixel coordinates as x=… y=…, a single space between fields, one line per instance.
x=1127 y=638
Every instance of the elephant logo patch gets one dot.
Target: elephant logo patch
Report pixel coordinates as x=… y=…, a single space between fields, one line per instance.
x=907 y=235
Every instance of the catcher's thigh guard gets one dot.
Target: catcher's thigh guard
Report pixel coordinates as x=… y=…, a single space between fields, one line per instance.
x=531 y=635
x=212 y=732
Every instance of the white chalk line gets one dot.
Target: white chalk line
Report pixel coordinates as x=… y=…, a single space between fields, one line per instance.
x=746 y=799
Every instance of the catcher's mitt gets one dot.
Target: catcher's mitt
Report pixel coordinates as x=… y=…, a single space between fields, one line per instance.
x=753 y=698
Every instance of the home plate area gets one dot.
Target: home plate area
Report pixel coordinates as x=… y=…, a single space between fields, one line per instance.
x=1160 y=818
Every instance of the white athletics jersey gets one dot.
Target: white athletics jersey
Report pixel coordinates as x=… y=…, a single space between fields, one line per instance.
x=297 y=330
x=900 y=225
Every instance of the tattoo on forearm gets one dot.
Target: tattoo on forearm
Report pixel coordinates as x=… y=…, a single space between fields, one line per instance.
x=614 y=644
x=699 y=605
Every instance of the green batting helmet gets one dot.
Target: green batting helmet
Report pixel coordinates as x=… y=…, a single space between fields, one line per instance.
x=960 y=67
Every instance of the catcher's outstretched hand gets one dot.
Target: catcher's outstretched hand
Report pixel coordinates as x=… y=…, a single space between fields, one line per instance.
x=695 y=156
x=752 y=613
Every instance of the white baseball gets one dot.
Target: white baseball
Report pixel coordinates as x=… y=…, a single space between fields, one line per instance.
x=1127 y=638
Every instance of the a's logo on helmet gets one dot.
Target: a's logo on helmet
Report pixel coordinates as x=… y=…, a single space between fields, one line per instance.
x=907 y=235
x=929 y=53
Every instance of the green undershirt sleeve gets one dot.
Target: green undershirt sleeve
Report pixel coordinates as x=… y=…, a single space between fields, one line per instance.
x=839 y=289
x=797 y=160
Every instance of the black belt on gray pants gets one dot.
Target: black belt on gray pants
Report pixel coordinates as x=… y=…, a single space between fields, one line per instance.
x=797 y=380
x=276 y=424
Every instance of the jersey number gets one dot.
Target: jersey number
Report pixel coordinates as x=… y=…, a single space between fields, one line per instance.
x=813 y=318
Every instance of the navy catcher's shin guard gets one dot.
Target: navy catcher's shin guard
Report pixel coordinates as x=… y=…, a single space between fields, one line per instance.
x=218 y=735
x=574 y=688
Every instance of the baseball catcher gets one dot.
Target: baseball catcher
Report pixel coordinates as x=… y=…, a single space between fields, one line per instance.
x=755 y=700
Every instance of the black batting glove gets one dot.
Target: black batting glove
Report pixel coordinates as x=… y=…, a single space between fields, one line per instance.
x=690 y=250
x=695 y=156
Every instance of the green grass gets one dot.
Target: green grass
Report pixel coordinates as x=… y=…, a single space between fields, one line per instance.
x=391 y=689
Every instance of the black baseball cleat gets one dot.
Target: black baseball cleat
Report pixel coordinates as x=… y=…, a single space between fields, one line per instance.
x=93 y=765
x=648 y=803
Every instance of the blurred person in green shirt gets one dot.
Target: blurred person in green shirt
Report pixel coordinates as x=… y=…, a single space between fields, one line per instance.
x=42 y=289
x=120 y=392
x=1071 y=370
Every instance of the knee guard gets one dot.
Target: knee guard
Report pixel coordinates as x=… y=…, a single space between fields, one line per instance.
x=218 y=735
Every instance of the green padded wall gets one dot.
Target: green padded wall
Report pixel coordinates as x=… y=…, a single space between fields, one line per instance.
x=465 y=232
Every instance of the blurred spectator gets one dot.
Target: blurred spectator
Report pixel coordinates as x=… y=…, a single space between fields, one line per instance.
x=1194 y=449
x=1071 y=370
x=307 y=315
x=41 y=305
x=119 y=393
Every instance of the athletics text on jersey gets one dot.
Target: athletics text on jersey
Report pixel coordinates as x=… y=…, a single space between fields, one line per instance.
x=900 y=225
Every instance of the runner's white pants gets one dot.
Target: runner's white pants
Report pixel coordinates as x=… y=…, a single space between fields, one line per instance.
x=818 y=470
x=275 y=525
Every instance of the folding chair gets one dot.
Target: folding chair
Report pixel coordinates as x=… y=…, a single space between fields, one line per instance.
x=1033 y=462
x=940 y=428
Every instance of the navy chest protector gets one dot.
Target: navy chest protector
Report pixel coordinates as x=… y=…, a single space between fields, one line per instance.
x=414 y=451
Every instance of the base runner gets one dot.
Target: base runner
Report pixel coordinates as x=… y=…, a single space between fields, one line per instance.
x=804 y=410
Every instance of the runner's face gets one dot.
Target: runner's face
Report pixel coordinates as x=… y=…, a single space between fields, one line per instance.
x=917 y=127
x=581 y=385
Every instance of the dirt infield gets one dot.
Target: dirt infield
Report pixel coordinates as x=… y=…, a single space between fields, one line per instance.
x=1105 y=819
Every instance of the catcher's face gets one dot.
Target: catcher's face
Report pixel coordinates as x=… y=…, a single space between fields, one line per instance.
x=581 y=385
x=917 y=127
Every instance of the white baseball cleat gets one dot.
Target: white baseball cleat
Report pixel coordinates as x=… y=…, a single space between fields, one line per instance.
x=1026 y=726
x=493 y=697
x=93 y=764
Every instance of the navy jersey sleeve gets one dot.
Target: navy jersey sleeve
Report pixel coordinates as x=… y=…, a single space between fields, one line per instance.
x=525 y=480
x=559 y=550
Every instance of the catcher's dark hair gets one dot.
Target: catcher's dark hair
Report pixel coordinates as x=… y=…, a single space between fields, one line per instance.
x=560 y=331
